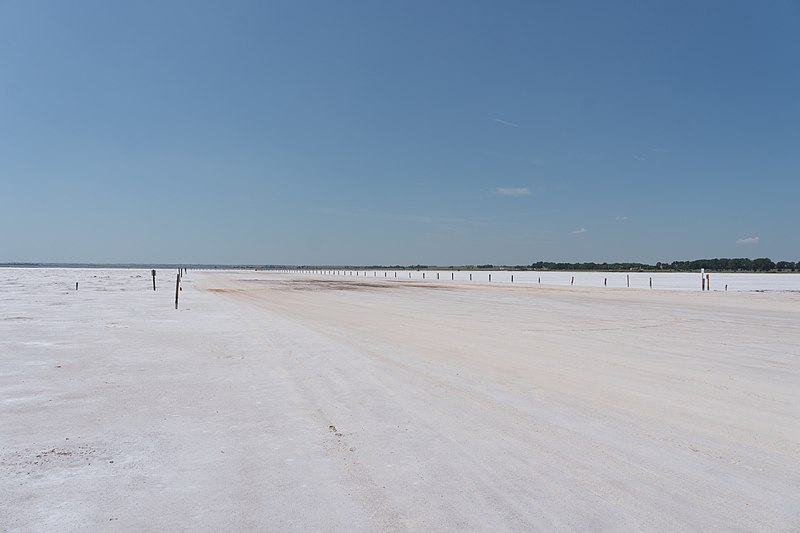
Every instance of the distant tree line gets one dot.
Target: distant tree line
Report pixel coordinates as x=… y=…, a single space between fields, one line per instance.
x=742 y=264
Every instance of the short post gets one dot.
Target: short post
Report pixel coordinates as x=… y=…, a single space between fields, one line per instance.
x=702 y=279
x=605 y=282
x=154 y=279
x=651 y=283
x=629 y=280
x=573 y=281
x=708 y=282
x=76 y=285
x=452 y=276
x=470 y=277
x=512 y=278
x=423 y=275
x=490 y=278
x=437 y=275
x=177 y=289
x=726 y=287
x=540 y=280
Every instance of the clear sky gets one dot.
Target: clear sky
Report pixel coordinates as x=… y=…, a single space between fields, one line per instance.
x=375 y=132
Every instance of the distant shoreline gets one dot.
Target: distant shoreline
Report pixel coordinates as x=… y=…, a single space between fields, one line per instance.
x=712 y=265
x=130 y=266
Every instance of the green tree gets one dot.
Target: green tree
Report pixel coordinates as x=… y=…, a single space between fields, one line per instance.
x=763 y=264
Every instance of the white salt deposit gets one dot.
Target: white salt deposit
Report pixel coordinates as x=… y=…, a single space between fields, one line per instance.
x=312 y=403
x=783 y=281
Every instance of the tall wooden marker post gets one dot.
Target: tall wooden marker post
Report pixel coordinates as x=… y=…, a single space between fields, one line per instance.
x=177 y=289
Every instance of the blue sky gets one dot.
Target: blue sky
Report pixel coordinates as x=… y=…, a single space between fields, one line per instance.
x=398 y=132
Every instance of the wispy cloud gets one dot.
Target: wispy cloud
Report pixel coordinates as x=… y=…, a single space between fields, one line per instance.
x=506 y=123
x=580 y=231
x=749 y=240
x=659 y=150
x=621 y=217
x=513 y=191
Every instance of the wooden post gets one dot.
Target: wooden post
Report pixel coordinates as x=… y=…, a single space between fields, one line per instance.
x=651 y=283
x=490 y=278
x=629 y=280
x=512 y=278
x=154 y=279
x=605 y=282
x=76 y=285
x=423 y=275
x=452 y=276
x=708 y=282
x=540 y=280
x=177 y=289
x=437 y=275
x=470 y=277
x=726 y=287
x=573 y=281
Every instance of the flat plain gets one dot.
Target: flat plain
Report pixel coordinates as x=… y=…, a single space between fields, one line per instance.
x=287 y=402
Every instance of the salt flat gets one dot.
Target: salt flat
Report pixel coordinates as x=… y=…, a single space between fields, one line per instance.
x=660 y=280
x=294 y=402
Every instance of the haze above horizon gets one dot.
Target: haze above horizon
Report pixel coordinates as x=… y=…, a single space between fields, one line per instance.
x=443 y=133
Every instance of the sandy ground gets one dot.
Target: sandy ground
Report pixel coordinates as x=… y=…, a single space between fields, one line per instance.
x=297 y=403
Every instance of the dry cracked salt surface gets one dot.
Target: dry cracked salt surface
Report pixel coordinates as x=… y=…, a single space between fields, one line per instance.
x=279 y=402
